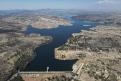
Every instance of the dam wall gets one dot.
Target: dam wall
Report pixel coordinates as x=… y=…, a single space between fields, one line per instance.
x=41 y=76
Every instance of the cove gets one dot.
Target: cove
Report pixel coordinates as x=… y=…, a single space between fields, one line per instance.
x=45 y=53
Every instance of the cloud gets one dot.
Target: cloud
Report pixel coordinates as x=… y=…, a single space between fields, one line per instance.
x=109 y=1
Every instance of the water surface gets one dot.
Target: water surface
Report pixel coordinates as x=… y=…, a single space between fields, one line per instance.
x=45 y=54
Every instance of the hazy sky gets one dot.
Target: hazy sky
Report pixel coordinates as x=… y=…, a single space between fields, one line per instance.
x=61 y=4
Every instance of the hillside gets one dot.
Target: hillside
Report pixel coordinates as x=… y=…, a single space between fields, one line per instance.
x=98 y=51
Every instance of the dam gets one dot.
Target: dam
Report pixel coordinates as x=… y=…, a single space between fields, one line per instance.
x=40 y=76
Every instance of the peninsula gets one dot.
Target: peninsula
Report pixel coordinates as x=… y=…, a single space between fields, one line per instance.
x=98 y=52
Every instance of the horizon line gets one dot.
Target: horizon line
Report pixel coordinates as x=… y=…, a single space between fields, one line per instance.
x=61 y=9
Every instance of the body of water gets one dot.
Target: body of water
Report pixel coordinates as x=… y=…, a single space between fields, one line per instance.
x=45 y=54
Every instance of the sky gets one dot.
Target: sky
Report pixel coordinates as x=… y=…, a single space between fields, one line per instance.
x=61 y=4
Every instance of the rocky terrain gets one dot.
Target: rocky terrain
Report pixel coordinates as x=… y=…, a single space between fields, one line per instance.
x=101 y=18
x=36 y=21
x=17 y=50
x=11 y=26
x=98 y=51
x=20 y=20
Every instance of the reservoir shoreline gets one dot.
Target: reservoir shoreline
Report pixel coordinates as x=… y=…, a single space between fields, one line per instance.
x=45 y=53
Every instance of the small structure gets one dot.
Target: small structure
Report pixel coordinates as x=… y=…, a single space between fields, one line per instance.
x=47 y=69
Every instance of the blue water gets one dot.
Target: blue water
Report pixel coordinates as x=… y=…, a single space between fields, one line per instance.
x=45 y=53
